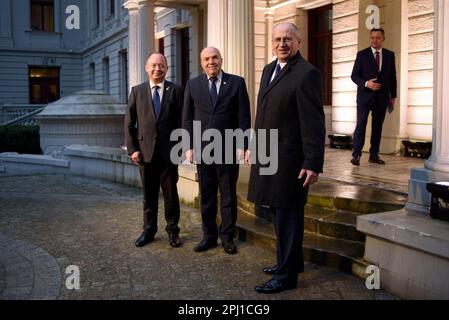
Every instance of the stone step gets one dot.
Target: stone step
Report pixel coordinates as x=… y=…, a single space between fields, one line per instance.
x=333 y=223
x=344 y=255
x=337 y=195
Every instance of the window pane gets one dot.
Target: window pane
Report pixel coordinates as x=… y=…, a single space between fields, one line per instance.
x=36 y=93
x=324 y=21
x=36 y=17
x=48 y=18
x=52 y=93
x=44 y=73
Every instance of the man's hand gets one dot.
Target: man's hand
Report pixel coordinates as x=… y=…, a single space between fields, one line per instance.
x=311 y=178
x=247 y=157
x=189 y=155
x=373 y=85
x=240 y=154
x=136 y=157
x=391 y=105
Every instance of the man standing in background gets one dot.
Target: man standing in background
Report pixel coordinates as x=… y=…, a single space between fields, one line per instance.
x=375 y=75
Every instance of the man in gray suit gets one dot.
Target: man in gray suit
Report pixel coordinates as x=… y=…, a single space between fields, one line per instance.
x=154 y=111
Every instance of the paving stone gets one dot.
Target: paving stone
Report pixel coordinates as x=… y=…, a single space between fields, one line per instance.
x=57 y=221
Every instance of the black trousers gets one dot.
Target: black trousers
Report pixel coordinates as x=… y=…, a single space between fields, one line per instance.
x=214 y=178
x=289 y=227
x=378 y=116
x=157 y=174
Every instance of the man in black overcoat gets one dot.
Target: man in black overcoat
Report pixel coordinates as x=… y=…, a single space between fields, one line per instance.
x=290 y=101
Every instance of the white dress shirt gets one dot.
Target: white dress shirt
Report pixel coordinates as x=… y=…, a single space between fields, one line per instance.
x=161 y=90
x=282 y=64
x=380 y=56
x=380 y=63
x=217 y=83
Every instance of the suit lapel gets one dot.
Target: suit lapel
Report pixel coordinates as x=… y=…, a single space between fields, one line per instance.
x=148 y=98
x=165 y=98
x=265 y=82
x=372 y=59
x=284 y=71
x=204 y=91
x=223 y=87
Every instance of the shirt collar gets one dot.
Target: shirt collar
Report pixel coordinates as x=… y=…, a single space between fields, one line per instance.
x=161 y=85
x=374 y=50
x=219 y=76
x=282 y=64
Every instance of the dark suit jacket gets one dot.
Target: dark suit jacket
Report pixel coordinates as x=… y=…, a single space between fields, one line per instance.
x=365 y=69
x=143 y=132
x=292 y=103
x=232 y=110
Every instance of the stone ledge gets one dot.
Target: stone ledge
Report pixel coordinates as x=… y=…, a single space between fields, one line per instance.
x=188 y=171
x=33 y=159
x=409 y=228
x=98 y=152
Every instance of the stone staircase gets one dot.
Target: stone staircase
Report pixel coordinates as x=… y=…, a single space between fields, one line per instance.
x=330 y=234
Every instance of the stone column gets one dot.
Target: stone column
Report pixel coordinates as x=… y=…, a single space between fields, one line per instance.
x=437 y=167
x=217 y=20
x=146 y=36
x=439 y=161
x=141 y=38
x=240 y=52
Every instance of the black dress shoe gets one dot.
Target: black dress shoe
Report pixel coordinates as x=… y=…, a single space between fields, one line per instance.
x=270 y=270
x=376 y=160
x=205 y=245
x=275 y=286
x=145 y=238
x=356 y=161
x=229 y=246
x=173 y=239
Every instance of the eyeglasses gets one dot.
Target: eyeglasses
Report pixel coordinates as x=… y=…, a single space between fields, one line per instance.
x=154 y=66
x=287 y=41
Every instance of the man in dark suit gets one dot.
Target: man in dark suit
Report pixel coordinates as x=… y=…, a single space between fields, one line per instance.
x=290 y=101
x=217 y=100
x=375 y=75
x=154 y=111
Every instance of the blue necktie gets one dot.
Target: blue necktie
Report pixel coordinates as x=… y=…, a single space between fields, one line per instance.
x=276 y=71
x=213 y=91
x=156 y=102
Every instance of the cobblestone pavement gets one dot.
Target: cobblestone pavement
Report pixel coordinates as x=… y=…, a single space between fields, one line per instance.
x=50 y=222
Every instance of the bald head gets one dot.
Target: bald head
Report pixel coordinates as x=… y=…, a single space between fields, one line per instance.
x=285 y=41
x=211 y=61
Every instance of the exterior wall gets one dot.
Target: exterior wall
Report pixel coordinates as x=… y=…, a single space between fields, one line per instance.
x=71 y=50
x=420 y=69
x=75 y=50
x=345 y=47
x=14 y=87
x=168 y=21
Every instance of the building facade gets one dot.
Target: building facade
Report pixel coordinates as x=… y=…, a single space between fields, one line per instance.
x=41 y=59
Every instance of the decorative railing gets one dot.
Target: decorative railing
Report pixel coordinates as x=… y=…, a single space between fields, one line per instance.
x=19 y=114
